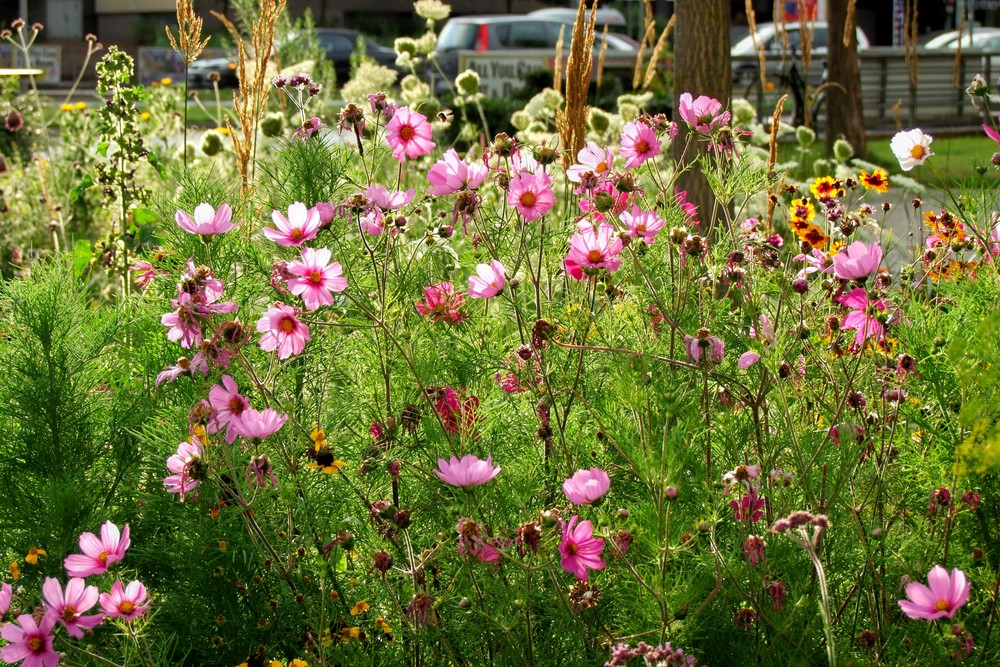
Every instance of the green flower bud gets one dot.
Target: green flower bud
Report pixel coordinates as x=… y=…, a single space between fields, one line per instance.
x=805 y=136
x=842 y=151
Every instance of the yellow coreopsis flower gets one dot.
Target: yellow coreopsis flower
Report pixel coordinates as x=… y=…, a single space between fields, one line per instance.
x=360 y=608
x=166 y=81
x=15 y=571
x=877 y=180
x=33 y=554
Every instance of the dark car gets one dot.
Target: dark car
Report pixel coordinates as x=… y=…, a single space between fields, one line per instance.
x=337 y=43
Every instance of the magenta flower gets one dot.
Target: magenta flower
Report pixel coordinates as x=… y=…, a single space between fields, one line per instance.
x=187 y=467
x=98 y=554
x=753 y=549
x=373 y=222
x=458 y=412
x=531 y=194
x=68 y=606
x=579 y=548
x=592 y=158
x=857 y=261
x=466 y=472
x=207 y=221
x=586 y=486
x=451 y=174
x=442 y=304
x=749 y=508
x=315 y=277
x=254 y=425
x=282 y=331
x=227 y=403
x=638 y=144
x=6 y=595
x=866 y=317
x=591 y=250
x=409 y=134
x=944 y=597
x=300 y=226
x=696 y=346
x=184 y=323
x=125 y=602
x=991 y=133
x=30 y=643
x=642 y=224
x=488 y=281
x=703 y=114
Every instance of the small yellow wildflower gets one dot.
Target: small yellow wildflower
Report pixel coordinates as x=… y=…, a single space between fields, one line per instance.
x=15 y=571
x=824 y=186
x=145 y=115
x=66 y=107
x=80 y=106
x=298 y=663
x=347 y=634
x=166 y=81
x=33 y=554
x=382 y=625
x=360 y=608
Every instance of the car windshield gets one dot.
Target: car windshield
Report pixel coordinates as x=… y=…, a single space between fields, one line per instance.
x=457 y=35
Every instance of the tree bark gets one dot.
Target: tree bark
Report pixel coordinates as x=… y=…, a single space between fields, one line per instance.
x=701 y=67
x=843 y=96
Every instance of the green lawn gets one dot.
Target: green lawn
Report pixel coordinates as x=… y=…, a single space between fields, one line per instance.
x=954 y=157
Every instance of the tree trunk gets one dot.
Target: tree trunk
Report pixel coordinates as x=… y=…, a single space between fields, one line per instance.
x=843 y=96
x=701 y=67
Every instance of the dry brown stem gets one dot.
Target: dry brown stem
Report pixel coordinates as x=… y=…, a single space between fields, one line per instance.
x=558 y=70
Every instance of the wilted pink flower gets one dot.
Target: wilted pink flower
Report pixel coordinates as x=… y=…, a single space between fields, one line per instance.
x=466 y=472
x=98 y=554
x=531 y=194
x=261 y=471
x=184 y=366
x=946 y=594
x=186 y=466
x=125 y=602
x=579 y=548
x=315 y=277
x=421 y=610
x=703 y=114
x=592 y=158
x=388 y=200
x=638 y=144
x=442 y=303
x=857 y=261
x=458 y=416
x=282 y=331
x=300 y=226
x=866 y=317
x=753 y=549
x=696 y=345
x=590 y=250
x=991 y=133
x=207 y=221
x=254 y=425
x=778 y=593
x=146 y=273
x=29 y=642
x=67 y=607
x=409 y=134
x=749 y=508
x=451 y=174
x=642 y=224
x=586 y=486
x=488 y=281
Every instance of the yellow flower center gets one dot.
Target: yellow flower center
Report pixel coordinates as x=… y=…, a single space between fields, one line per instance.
x=528 y=199
x=641 y=146
x=571 y=549
x=103 y=558
x=125 y=607
x=595 y=256
x=296 y=234
x=316 y=277
x=942 y=605
x=287 y=325
x=68 y=613
x=35 y=644
x=406 y=133
x=918 y=152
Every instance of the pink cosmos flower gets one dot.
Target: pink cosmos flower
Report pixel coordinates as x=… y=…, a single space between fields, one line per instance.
x=857 y=261
x=703 y=114
x=458 y=416
x=466 y=472
x=817 y=260
x=531 y=194
x=524 y=162
x=579 y=548
x=282 y=331
x=638 y=144
x=68 y=606
x=590 y=250
x=300 y=226
x=30 y=643
x=125 y=602
x=146 y=273
x=488 y=281
x=409 y=134
x=227 y=403
x=254 y=425
x=451 y=174
x=642 y=224
x=866 y=317
x=98 y=554
x=586 y=486
x=6 y=595
x=442 y=304
x=947 y=593
x=386 y=200
x=749 y=508
x=991 y=133
x=315 y=277
x=186 y=466
x=594 y=159
x=698 y=344
x=373 y=222
x=207 y=221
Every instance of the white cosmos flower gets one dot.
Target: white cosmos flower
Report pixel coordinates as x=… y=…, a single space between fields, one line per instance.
x=911 y=148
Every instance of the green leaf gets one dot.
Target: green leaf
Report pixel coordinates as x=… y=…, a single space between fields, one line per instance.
x=144 y=215
x=78 y=189
x=80 y=257
x=102 y=148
